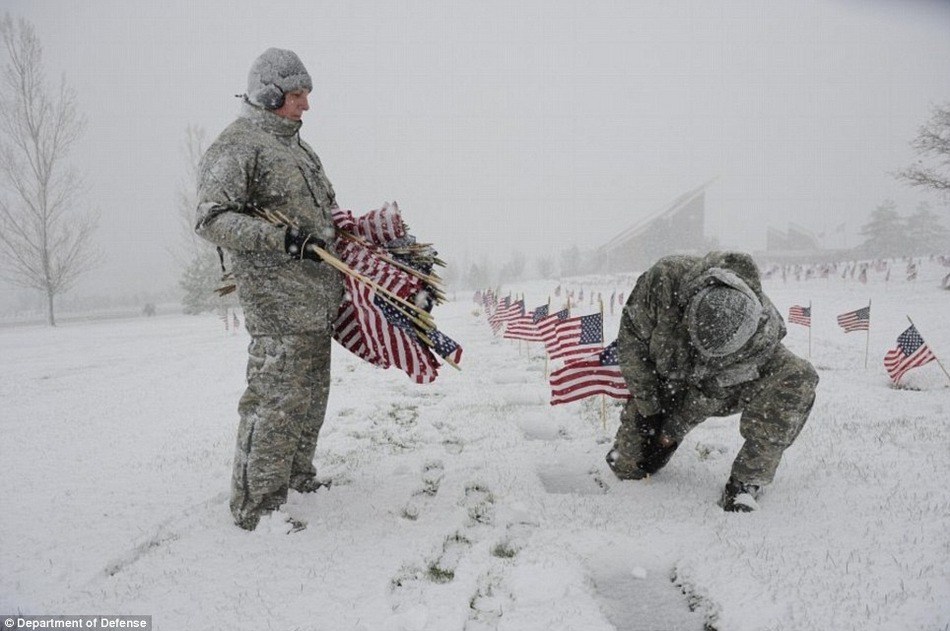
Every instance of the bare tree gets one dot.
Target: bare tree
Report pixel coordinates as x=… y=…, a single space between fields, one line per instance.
x=45 y=241
x=191 y=245
x=932 y=144
x=199 y=260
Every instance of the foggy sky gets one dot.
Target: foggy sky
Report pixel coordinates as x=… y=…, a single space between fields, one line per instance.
x=500 y=125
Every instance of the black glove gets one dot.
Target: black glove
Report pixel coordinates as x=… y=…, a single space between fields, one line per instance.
x=656 y=450
x=296 y=243
x=648 y=455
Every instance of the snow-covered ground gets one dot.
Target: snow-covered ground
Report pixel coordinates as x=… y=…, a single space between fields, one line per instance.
x=471 y=503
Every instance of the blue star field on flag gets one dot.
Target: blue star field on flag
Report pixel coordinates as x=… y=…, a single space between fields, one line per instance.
x=538 y=313
x=592 y=329
x=610 y=355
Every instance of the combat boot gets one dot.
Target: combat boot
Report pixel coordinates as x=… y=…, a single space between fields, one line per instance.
x=307 y=483
x=739 y=497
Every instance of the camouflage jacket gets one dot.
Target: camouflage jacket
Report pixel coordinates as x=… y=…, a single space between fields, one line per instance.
x=656 y=357
x=259 y=160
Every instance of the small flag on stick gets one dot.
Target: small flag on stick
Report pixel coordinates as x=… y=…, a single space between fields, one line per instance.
x=910 y=352
x=798 y=314
x=857 y=320
x=598 y=373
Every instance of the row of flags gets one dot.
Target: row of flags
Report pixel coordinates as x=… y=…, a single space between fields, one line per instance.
x=230 y=321
x=861 y=269
x=856 y=320
x=577 y=297
x=589 y=367
x=910 y=351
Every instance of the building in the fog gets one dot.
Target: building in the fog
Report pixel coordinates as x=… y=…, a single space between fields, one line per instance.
x=678 y=228
x=796 y=245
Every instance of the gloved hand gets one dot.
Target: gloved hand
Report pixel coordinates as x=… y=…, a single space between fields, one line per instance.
x=624 y=468
x=649 y=426
x=424 y=301
x=296 y=242
x=643 y=451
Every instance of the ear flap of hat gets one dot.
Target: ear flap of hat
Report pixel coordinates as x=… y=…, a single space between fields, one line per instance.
x=270 y=97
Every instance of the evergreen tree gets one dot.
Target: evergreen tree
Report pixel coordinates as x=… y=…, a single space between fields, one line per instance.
x=925 y=232
x=514 y=269
x=885 y=234
x=199 y=280
x=545 y=267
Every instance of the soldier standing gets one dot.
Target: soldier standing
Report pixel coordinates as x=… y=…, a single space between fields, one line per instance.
x=699 y=338
x=289 y=298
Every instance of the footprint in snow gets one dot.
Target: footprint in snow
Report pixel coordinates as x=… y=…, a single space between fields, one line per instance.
x=577 y=479
x=432 y=473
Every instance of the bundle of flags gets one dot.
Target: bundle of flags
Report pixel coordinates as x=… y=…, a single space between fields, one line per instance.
x=390 y=289
x=379 y=320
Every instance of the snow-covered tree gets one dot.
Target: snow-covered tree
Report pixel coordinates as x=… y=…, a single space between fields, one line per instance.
x=45 y=237
x=926 y=232
x=932 y=145
x=885 y=234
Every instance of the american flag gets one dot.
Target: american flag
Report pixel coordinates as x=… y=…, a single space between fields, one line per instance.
x=378 y=333
x=547 y=327
x=798 y=314
x=598 y=373
x=505 y=314
x=577 y=337
x=910 y=352
x=526 y=326
x=445 y=346
x=377 y=226
x=857 y=320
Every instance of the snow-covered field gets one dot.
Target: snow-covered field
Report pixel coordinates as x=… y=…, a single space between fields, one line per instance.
x=471 y=503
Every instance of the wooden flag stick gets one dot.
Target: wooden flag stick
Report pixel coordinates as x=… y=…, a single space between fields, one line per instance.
x=936 y=359
x=546 y=350
x=421 y=316
x=867 y=339
x=811 y=317
x=603 y=397
x=430 y=279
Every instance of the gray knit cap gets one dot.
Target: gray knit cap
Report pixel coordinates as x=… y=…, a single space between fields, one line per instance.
x=721 y=319
x=273 y=74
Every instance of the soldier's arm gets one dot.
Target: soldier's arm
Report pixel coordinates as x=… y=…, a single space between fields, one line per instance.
x=633 y=342
x=224 y=189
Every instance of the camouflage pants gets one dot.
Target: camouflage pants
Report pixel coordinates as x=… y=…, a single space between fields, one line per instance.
x=282 y=410
x=774 y=409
